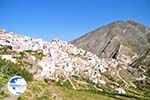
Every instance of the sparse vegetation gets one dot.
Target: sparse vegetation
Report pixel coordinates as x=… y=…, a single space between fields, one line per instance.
x=5 y=49
x=11 y=69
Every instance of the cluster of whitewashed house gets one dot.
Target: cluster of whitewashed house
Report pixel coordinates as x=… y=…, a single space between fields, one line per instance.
x=21 y=43
x=64 y=58
x=59 y=55
x=61 y=58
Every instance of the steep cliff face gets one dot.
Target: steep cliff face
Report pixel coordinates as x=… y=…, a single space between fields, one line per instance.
x=119 y=40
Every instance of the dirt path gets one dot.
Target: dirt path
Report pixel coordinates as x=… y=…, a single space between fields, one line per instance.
x=142 y=68
x=118 y=73
x=56 y=93
x=11 y=96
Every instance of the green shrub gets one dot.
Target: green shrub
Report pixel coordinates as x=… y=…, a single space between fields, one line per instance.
x=11 y=69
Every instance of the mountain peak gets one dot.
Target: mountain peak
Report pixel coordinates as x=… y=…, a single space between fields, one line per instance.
x=106 y=41
x=132 y=22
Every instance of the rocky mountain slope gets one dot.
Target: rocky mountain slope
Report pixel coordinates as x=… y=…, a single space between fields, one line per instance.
x=124 y=41
x=113 y=70
x=112 y=40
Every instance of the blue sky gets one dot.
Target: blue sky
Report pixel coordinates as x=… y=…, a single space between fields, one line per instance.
x=68 y=19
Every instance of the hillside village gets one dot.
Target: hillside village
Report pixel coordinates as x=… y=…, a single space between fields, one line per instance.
x=57 y=53
x=63 y=60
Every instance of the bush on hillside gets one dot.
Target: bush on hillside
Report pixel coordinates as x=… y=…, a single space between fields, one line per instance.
x=11 y=69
